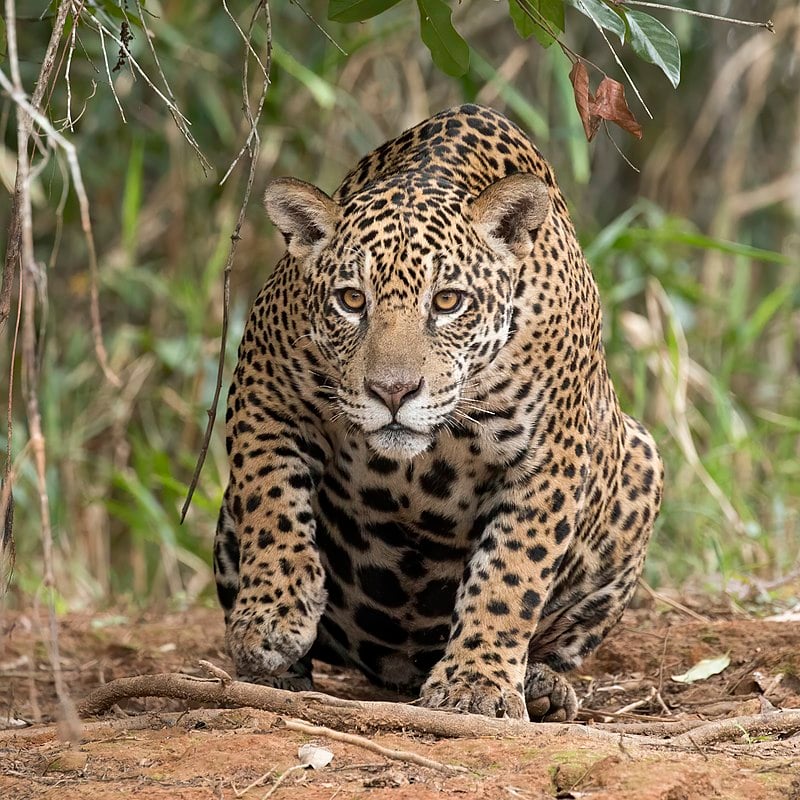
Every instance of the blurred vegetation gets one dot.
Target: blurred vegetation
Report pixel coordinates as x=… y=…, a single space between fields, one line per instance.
x=703 y=336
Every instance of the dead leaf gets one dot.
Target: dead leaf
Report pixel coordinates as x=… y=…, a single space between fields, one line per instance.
x=609 y=103
x=704 y=669
x=579 y=77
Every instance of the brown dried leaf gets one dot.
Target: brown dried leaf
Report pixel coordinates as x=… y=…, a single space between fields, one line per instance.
x=609 y=103
x=579 y=77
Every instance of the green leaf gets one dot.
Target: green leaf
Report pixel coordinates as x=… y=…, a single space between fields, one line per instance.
x=132 y=197
x=599 y=13
x=525 y=13
x=704 y=669
x=655 y=43
x=755 y=323
x=357 y=10
x=323 y=92
x=709 y=243
x=449 y=51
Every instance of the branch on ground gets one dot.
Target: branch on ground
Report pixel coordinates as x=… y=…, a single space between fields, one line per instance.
x=333 y=712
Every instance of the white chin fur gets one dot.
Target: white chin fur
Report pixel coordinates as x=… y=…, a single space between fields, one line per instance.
x=403 y=443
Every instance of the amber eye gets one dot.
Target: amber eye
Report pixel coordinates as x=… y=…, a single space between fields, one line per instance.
x=352 y=299
x=448 y=301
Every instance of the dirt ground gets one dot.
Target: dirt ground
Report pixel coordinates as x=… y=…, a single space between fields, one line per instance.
x=160 y=749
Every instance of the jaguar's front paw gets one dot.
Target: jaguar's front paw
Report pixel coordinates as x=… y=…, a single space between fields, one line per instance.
x=262 y=646
x=267 y=640
x=297 y=678
x=473 y=693
x=548 y=695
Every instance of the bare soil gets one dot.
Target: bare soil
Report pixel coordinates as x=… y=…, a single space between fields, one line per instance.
x=161 y=749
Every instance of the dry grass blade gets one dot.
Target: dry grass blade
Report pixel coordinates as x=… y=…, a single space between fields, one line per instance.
x=660 y=306
x=19 y=97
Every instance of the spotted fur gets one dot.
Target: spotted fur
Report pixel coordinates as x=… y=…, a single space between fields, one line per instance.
x=451 y=501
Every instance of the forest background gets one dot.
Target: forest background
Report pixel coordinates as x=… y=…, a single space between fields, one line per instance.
x=695 y=247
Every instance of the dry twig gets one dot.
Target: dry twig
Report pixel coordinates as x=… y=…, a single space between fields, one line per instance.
x=282 y=777
x=252 y=145
x=29 y=113
x=359 y=741
x=662 y=598
x=30 y=282
x=769 y=25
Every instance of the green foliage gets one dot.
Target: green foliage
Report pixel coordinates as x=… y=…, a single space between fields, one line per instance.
x=539 y=18
x=602 y=15
x=449 y=51
x=357 y=10
x=654 y=42
x=644 y=262
x=650 y=39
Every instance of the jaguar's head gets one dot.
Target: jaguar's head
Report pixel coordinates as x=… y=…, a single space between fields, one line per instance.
x=410 y=293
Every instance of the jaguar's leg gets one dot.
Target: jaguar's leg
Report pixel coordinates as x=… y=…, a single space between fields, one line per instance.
x=226 y=572
x=595 y=581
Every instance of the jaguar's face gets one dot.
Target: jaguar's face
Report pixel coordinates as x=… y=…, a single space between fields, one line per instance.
x=410 y=295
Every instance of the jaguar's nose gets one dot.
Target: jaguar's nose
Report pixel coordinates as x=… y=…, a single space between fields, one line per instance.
x=393 y=395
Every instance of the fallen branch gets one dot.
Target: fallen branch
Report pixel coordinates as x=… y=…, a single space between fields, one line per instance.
x=321 y=709
x=90 y=730
x=657 y=728
x=775 y=723
x=316 y=708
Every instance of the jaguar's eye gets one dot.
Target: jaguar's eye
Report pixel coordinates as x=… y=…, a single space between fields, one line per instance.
x=352 y=299
x=448 y=301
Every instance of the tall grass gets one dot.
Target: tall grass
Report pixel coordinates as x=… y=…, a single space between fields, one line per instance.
x=702 y=335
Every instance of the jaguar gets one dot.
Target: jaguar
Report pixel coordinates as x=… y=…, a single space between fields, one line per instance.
x=431 y=478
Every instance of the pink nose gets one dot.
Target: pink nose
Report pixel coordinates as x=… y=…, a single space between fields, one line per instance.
x=393 y=395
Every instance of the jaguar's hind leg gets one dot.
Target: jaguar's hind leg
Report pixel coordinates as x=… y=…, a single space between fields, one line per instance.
x=595 y=580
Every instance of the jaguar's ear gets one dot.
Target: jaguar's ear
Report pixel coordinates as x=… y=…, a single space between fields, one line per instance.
x=507 y=211
x=304 y=214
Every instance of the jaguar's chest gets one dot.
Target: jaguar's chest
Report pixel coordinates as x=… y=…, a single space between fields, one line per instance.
x=394 y=538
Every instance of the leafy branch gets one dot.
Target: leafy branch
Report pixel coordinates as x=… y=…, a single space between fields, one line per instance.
x=545 y=20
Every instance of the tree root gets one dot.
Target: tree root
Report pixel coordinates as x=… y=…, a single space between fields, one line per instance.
x=745 y=729
x=315 y=708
